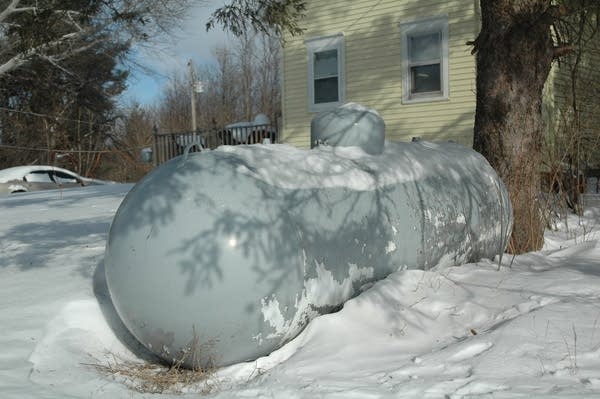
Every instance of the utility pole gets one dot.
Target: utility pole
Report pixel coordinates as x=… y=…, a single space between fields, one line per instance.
x=193 y=94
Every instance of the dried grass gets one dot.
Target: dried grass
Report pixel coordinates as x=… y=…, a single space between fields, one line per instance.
x=159 y=379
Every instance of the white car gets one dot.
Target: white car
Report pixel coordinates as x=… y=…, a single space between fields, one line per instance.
x=40 y=177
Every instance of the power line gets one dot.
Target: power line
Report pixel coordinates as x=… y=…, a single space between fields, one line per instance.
x=23 y=148
x=54 y=117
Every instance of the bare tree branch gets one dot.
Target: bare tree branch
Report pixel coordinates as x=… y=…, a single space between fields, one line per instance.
x=125 y=21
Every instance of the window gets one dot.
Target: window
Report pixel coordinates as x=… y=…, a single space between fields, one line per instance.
x=425 y=60
x=38 y=176
x=325 y=72
x=64 y=178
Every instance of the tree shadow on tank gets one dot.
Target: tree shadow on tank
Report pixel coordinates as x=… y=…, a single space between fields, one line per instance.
x=276 y=227
x=338 y=227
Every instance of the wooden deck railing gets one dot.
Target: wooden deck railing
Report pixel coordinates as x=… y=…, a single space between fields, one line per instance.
x=171 y=145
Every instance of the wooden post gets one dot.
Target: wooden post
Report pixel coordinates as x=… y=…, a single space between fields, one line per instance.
x=155 y=146
x=193 y=94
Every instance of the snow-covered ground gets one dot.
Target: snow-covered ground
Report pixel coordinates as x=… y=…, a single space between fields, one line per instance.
x=529 y=329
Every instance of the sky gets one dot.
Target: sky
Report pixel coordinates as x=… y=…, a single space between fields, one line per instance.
x=191 y=42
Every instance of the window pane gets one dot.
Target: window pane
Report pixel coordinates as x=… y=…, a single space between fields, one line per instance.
x=425 y=79
x=326 y=90
x=425 y=47
x=38 y=177
x=63 y=178
x=326 y=64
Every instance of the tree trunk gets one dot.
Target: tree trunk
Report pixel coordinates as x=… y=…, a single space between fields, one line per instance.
x=514 y=56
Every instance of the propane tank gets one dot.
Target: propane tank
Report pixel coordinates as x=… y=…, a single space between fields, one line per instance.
x=223 y=256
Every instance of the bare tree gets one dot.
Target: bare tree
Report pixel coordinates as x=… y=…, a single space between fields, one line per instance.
x=243 y=82
x=174 y=113
x=56 y=30
x=514 y=56
x=131 y=135
x=268 y=79
x=50 y=115
x=227 y=87
x=575 y=126
x=61 y=64
x=515 y=50
x=245 y=52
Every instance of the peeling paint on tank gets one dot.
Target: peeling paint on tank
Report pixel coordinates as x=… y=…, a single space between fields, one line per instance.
x=326 y=291
x=390 y=247
x=272 y=314
x=258 y=338
x=320 y=295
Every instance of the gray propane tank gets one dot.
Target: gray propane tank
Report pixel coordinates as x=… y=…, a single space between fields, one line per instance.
x=223 y=256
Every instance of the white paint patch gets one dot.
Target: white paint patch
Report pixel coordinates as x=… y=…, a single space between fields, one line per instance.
x=325 y=290
x=390 y=247
x=258 y=337
x=427 y=214
x=320 y=292
x=436 y=219
x=272 y=314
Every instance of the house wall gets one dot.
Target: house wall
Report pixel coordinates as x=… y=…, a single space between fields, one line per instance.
x=373 y=67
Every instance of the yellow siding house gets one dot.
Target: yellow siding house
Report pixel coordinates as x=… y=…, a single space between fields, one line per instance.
x=407 y=59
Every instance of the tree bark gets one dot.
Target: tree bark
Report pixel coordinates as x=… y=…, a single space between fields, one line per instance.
x=514 y=57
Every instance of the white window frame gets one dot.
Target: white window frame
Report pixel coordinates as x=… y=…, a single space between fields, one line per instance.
x=317 y=45
x=437 y=24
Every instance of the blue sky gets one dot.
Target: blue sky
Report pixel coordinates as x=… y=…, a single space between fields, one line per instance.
x=191 y=42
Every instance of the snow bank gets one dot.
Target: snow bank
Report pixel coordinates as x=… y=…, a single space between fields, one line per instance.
x=530 y=329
